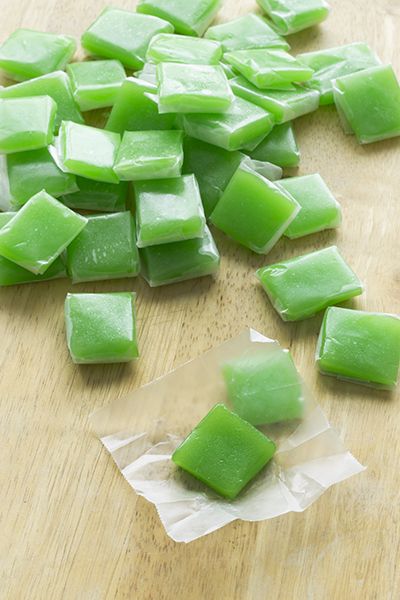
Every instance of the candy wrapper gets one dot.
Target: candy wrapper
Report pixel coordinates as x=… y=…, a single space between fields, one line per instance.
x=142 y=431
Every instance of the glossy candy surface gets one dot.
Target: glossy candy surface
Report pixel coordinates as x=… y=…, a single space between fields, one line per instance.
x=248 y=31
x=98 y=196
x=166 y=47
x=95 y=83
x=279 y=147
x=26 y=123
x=189 y=18
x=290 y=16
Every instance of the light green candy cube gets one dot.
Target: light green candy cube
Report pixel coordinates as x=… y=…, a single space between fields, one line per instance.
x=300 y=287
x=136 y=109
x=101 y=328
x=149 y=155
x=166 y=47
x=360 y=346
x=179 y=261
x=279 y=147
x=264 y=387
x=243 y=123
x=268 y=68
x=27 y=53
x=319 y=208
x=26 y=123
x=336 y=62
x=123 y=35
x=254 y=211
x=105 y=249
x=188 y=18
x=149 y=73
x=264 y=168
x=57 y=85
x=290 y=16
x=95 y=83
x=98 y=195
x=369 y=103
x=284 y=105
x=168 y=210
x=88 y=151
x=39 y=233
x=13 y=274
x=192 y=89
x=30 y=172
x=248 y=31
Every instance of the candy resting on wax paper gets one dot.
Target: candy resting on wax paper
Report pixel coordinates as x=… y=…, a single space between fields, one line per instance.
x=95 y=83
x=189 y=18
x=248 y=31
x=26 y=123
x=290 y=16
x=278 y=147
x=167 y=47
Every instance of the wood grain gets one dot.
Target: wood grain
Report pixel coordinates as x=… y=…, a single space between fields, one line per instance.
x=71 y=528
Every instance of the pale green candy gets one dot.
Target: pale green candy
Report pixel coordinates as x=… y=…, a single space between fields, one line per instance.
x=27 y=53
x=149 y=155
x=95 y=83
x=241 y=124
x=166 y=47
x=192 y=89
x=279 y=147
x=319 y=208
x=123 y=35
x=188 y=17
x=39 y=233
x=264 y=168
x=168 y=210
x=26 y=123
x=98 y=195
x=290 y=16
x=148 y=73
x=248 y=31
x=268 y=68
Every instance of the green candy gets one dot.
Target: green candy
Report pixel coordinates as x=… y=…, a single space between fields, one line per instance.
x=136 y=109
x=105 y=249
x=179 y=261
x=254 y=211
x=192 y=89
x=368 y=103
x=123 y=35
x=361 y=346
x=166 y=47
x=268 y=68
x=26 y=123
x=168 y=210
x=278 y=147
x=243 y=33
x=101 y=328
x=290 y=16
x=319 y=208
x=149 y=155
x=88 y=151
x=264 y=387
x=188 y=18
x=95 y=83
x=39 y=233
x=264 y=168
x=224 y=452
x=27 y=53
x=300 y=287
x=149 y=73
x=98 y=196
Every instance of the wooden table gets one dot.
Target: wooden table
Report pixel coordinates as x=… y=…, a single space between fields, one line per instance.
x=71 y=528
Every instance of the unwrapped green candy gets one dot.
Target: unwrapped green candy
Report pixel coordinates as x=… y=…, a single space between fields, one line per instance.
x=300 y=287
x=279 y=147
x=248 y=31
x=290 y=16
x=95 y=83
x=189 y=18
x=224 y=452
x=166 y=47
x=361 y=346
x=98 y=196
x=26 y=123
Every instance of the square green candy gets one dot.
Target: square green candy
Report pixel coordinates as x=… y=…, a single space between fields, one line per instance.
x=179 y=261
x=361 y=346
x=98 y=196
x=146 y=155
x=278 y=147
x=369 y=103
x=88 y=151
x=188 y=18
x=27 y=53
x=39 y=233
x=254 y=211
x=192 y=88
x=95 y=83
x=224 y=452
x=168 y=210
x=26 y=123
x=167 y=47
x=268 y=68
x=264 y=387
x=319 y=209
x=123 y=35
x=290 y=16
x=248 y=31
x=101 y=328
x=104 y=249
x=300 y=287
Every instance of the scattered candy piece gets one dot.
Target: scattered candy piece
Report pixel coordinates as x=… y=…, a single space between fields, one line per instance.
x=290 y=16
x=189 y=18
x=26 y=123
x=95 y=83
x=166 y=47
x=243 y=33
x=279 y=147
x=98 y=196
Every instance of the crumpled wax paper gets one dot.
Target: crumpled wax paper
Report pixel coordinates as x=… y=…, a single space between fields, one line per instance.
x=142 y=431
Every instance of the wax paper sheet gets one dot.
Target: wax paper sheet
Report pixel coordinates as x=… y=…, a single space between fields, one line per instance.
x=142 y=431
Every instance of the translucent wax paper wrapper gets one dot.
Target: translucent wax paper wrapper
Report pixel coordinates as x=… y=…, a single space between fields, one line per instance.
x=142 y=431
